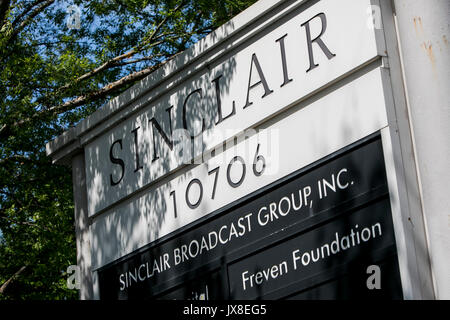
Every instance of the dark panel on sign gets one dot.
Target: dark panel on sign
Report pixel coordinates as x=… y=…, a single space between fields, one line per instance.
x=362 y=237
x=334 y=195
x=351 y=283
x=208 y=287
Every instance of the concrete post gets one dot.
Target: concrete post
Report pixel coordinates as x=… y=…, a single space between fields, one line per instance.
x=82 y=226
x=423 y=31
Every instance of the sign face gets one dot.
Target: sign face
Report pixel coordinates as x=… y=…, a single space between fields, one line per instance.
x=300 y=53
x=309 y=133
x=306 y=235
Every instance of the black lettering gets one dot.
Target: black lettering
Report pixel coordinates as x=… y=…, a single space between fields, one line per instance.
x=262 y=80
x=172 y=193
x=116 y=161
x=241 y=179
x=317 y=40
x=136 y=149
x=188 y=202
x=216 y=174
x=219 y=103
x=169 y=142
x=286 y=79
x=199 y=92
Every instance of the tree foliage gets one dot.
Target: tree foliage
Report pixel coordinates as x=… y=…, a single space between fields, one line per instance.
x=56 y=69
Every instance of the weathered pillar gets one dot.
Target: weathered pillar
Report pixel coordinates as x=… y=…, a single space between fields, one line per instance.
x=82 y=226
x=423 y=31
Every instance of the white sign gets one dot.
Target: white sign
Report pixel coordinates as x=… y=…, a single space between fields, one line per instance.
x=310 y=133
x=290 y=60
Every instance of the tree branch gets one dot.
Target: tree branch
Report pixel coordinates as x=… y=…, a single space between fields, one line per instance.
x=103 y=92
x=4 y=7
x=29 y=18
x=115 y=61
x=14 y=158
x=71 y=104
x=10 y=280
x=24 y=12
x=106 y=90
x=124 y=63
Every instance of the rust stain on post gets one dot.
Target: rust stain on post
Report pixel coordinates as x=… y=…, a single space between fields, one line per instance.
x=429 y=50
x=418 y=26
x=444 y=38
